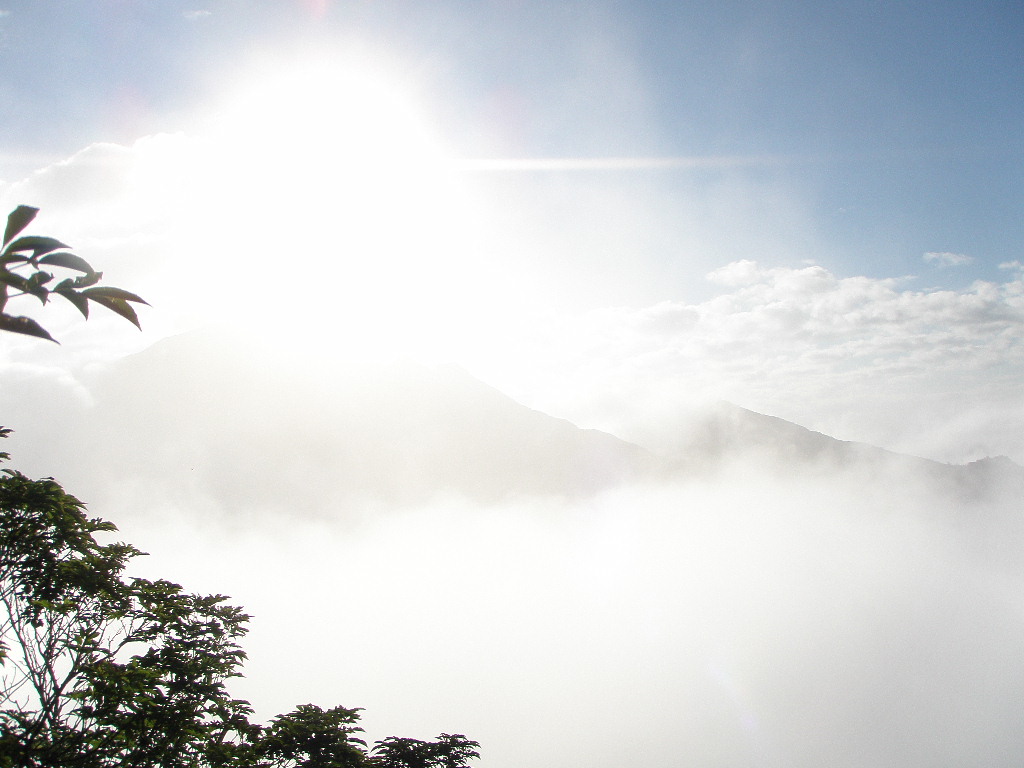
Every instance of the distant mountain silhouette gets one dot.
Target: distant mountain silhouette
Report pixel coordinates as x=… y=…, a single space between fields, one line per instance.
x=253 y=431
x=727 y=433
x=323 y=434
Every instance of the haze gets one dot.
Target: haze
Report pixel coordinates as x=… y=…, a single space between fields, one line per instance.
x=446 y=303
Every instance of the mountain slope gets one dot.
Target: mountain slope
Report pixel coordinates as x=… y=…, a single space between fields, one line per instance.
x=316 y=436
x=727 y=436
x=254 y=432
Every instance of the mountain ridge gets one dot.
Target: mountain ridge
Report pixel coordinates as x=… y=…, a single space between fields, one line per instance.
x=729 y=433
x=332 y=436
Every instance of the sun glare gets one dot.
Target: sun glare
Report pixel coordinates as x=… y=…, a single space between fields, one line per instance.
x=336 y=210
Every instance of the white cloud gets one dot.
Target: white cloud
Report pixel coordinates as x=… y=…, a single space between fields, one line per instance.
x=744 y=272
x=196 y=15
x=926 y=371
x=860 y=357
x=946 y=259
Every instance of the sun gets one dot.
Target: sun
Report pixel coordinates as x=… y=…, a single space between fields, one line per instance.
x=330 y=204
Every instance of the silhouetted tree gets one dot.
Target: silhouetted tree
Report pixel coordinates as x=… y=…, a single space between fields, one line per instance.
x=449 y=751
x=454 y=750
x=311 y=737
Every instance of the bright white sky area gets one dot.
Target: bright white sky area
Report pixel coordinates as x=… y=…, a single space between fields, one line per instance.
x=615 y=213
x=606 y=210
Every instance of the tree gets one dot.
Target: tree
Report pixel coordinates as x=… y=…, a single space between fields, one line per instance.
x=100 y=670
x=449 y=751
x=311 y=737
x=454 y=750
x=23 y=264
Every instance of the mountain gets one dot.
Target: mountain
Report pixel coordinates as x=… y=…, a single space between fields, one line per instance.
x=253 y=431
x=206 y=421
x=726 y=435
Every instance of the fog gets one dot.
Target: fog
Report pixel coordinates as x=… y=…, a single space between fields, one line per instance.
x=752 y=620
x=411 y=541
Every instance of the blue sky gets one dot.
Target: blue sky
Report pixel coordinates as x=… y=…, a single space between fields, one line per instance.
x=897 y=124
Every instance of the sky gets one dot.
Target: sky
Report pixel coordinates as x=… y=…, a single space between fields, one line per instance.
x=811 y=211
x=614 y=213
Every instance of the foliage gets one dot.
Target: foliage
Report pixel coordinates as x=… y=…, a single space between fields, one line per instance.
x=311 y=737
x=23 y=264
x=100 y=670
x=449 y=751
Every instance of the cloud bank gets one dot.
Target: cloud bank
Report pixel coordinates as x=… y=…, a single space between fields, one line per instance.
x=752 y=621
x=933 y=372
x=929 y=371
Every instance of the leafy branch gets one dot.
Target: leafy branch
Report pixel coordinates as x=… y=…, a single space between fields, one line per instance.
x=24 y=262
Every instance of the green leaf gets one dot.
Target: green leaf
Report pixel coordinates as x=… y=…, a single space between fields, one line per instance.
x=36 y=285
x=74 y=297
x=120 y=306
x=68 y=261
x=10 y=278
x=24 y=325
x=12 y=258
x=38 y=245
x=19 y=219
x=113 y=293
x=86 y=280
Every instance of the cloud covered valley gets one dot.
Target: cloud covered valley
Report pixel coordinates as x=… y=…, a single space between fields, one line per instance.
x=412 y=541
